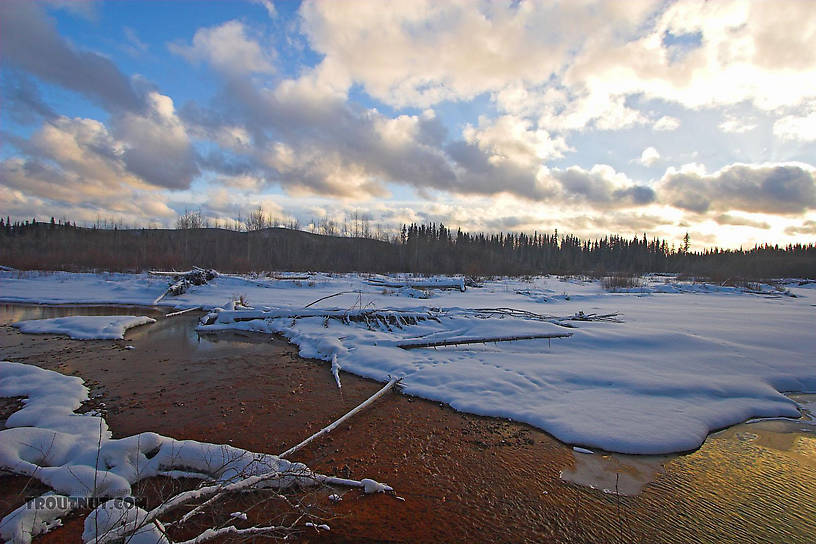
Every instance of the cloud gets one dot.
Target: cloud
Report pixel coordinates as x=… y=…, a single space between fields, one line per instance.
x=134 y=46
x=29 y=40
x=800 y=128
x=426 y=52
x=666 y=123
x=743 y=52
x=601 y=186
x=573 y=66
x=649 y=156
x=512 y=139
x=36 y=187
x=155 y=145
x=727 y=219
x=269 y=6
x=786 y=188
x=22 y=99
x=228 y=49
x=806 y=228
x=307 y=139
x=736 y=125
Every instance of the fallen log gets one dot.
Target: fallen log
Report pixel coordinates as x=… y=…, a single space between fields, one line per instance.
x=371 y=318
x=175 y=289
x=325 y=430
x=481 y=340
x=183 y=280
x=455 y=283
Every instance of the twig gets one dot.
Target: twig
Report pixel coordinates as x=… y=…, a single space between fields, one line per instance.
x=173 y=314
x=334 y=425
x=330 y=296
x=210 y=534
x=481 y=340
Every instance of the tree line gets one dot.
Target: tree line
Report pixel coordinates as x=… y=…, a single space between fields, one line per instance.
x=424 y=249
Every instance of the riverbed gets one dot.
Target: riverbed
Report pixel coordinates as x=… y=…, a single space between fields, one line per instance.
x=463 y=477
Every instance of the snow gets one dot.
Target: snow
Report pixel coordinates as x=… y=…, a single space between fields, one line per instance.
x=807 y=403
x=86 y=327
x=75 y=456
x=335 y=368
x=111 y=519
x=688 y=357
x=24 y=523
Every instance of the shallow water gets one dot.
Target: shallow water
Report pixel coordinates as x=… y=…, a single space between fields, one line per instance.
x=179 y=330
x=752 y=482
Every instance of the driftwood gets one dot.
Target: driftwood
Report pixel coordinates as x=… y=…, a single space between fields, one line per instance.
x=456 y=283
x=289 y=278
x=325 y=430
x=180 y=312
x=372 y=318
x=479 y=340
x=525 y=314
x=329 y=296
x=183 y=280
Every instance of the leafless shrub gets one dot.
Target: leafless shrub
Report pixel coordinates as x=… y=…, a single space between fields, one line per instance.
x=621 y=281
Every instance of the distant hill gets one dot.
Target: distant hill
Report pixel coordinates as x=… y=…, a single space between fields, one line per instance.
x=56 y=247
x=428 y=249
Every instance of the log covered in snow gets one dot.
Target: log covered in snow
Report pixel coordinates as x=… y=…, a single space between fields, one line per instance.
x=415 y=344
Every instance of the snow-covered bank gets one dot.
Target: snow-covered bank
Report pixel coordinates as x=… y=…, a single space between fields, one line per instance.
x=75 y=456
x=85 y=327
x=687 y=359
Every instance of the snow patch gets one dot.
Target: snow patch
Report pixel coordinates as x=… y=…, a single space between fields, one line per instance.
x=75 y=456
x=85 y=327
x=689 y=357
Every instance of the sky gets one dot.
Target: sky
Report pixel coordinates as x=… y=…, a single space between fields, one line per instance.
x=590 y=117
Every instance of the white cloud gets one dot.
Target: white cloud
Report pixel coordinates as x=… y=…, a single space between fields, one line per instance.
x=711 y=54
x=228 y=49
x=649 y=156
x=736 y=125
x=269 y=6
x=597 y=54
x=514 y=140
x=424 y=52
x=666 y=123
x=796 y=127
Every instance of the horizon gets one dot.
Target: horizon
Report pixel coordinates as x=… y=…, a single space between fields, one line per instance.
x=608 y=117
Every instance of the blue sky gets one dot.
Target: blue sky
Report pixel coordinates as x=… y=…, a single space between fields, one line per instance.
x=603 y=117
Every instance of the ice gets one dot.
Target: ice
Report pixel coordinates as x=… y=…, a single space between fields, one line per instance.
x=86 y=327
x=688 y=358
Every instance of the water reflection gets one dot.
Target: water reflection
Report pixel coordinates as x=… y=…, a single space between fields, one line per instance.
x=792 y=441
x=615 y=473
x=179 y=331
x=12 y=313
